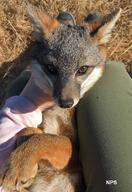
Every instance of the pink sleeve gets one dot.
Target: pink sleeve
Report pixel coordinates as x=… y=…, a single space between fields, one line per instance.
x=16 y=114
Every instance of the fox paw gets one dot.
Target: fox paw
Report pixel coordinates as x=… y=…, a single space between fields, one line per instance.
x=16 y=176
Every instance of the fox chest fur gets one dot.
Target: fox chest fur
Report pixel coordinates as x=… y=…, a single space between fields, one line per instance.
x=71 y=61
x=59 y=121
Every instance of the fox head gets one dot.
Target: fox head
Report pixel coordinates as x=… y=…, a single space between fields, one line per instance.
x=73 y=57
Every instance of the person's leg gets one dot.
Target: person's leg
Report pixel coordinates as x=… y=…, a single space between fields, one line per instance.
x=104 y=119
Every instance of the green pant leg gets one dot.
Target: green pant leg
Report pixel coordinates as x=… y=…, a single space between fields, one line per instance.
x=104 y=119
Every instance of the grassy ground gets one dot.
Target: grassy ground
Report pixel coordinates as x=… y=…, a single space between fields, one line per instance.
x=15 y=31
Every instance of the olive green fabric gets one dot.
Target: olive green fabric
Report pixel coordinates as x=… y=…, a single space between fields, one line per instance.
x=104 y=119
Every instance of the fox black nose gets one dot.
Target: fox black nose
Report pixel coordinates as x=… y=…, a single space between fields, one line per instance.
x=66 y=103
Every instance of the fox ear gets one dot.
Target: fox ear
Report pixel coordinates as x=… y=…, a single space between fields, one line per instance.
x=43 y=25
x=100 y=28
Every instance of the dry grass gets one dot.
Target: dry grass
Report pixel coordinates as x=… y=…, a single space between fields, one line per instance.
x=15 y=30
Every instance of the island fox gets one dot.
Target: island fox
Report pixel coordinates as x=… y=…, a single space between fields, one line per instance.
x=70 y=63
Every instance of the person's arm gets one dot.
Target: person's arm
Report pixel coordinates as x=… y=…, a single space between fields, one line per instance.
x=20 y=112
x=17 y=113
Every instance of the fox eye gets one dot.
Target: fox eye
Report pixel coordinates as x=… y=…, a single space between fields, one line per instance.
x=82 y=70
x=51 y=69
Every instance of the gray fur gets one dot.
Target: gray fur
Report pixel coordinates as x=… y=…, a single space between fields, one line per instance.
x=69 y=48
x=72 y=48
